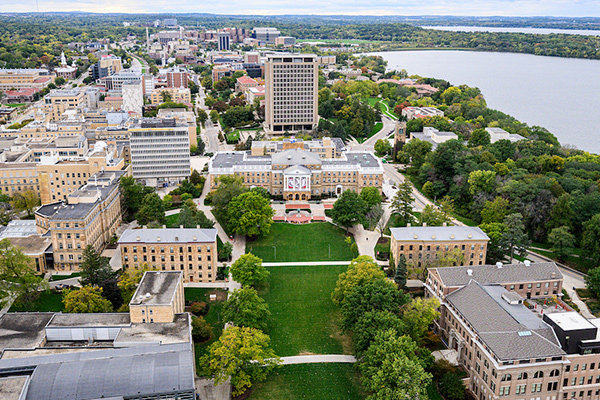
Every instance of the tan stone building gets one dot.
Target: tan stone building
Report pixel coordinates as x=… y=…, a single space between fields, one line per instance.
x=423 y=244
x=191 y=251
x=178 y=95
x=24 y=78
x=158 y=298
x=297 y=174
x=90 y=216
x=325 y=147
x=513 y=348
x=59 y=101
x=291 y=93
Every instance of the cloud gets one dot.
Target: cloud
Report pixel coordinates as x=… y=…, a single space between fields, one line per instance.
x=569 y=8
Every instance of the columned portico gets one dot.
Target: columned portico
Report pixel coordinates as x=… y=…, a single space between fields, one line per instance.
x=296 y=183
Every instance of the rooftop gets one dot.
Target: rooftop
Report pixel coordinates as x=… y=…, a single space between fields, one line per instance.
x=491 y=274
x=570 y=321
x=157 y=288
x=105 y=319
x=177 y=331
x=438 y=233
x=19 y=228
x=33 y=245
x=23 y=330
x=513 y=333
x=168 y=235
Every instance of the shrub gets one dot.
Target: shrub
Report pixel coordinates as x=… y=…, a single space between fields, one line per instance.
x=201 y=330
x=452 y=387
x=199 y=308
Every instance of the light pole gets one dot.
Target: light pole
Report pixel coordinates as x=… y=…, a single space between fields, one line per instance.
x=275 y=250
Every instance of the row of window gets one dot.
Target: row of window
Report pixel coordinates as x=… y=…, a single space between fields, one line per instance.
x=144 y=249
x=162 y=258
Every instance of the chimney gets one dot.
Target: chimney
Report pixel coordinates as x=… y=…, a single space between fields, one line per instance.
x=415 y=236
x=470 y=272
x=470 y=235
x=444 y=224
x=553 y=275
x=180 y=226
x=499 y=264
x=164 y=227
x=197 y=226
x=408 y=225
x=424 y=224
x=528 y=263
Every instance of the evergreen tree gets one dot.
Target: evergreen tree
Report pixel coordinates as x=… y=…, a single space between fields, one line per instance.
x=95 y=269
x=401 y=272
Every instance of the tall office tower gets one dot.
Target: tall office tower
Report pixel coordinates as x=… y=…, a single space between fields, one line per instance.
x=224 y=41
x=160 y=151
x=291 y=93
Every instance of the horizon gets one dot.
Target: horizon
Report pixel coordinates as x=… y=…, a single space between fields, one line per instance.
x=346 y=8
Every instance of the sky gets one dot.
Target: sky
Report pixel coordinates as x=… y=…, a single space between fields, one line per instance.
x=567 y=8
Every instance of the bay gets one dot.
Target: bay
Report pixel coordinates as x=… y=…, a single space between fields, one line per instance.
x=559 y=94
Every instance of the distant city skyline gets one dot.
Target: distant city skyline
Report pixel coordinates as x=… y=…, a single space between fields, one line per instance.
x=564 y=8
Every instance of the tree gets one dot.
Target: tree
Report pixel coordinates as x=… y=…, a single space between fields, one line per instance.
x=392 y=369
x=481 y=181
x=195 y=178
x=401 y=272
x=112 y=293
x=94 y=268
x=17 y=273
x=25 y=201
x=128 y=282
x=494 y=211
x=362 y=269
x=562 y=213
x=202 y=116
x=250 y=214
x=244 y=354
x=201 y=330
x=370 y=324
x=214 y=116
x=245 y=307
x=229 y=186
x=514 y=236
x=452 y=387
x=225 y=251
x=433 y=217
x=133 y=194
x=88 y=299
x=166 y=96
x=418 y=315
x=417 y=150
x=495 y=251
x=348 y=209
x=378 y=294
x=237 y=116
x=373 y=216
x=249 y=271
x=152 y=209
x=590 y=240
x=479 y=137
x=383 y=147
x=402 y=203
x=562 y=241
x=371 y=196
x=592 y=281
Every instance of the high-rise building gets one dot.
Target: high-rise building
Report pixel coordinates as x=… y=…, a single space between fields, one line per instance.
x=224 y=41
x=177 y=77
x=106 y=66
x=133 y=96
x=160 y=151
x=291 y=95
x=267 y=35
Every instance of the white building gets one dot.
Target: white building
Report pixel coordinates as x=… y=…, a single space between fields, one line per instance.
x=224 y=41
x=160 y=151
x=433 y=136
x=133 y=96
x=291 y=93
x=500 y=134
x=421 y=112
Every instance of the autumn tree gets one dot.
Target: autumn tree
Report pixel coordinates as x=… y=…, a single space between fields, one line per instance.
x=242 y=354
x=17 y=274
x=25 y=201
x=88 y=299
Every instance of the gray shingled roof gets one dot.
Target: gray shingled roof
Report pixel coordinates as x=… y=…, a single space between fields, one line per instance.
x=498 y=324
x=168 y=235
x=491 y=274
x=295 y=156
x=438 y=233
x=143 y=370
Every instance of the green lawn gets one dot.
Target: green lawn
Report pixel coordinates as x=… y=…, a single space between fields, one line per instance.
x=46 y=301
x=303 y=318
x=233 y=137
x=172 y=221
x=383 y=106
x=54 y=278
x=310 y=382
x=213 y=318
x=307 y=242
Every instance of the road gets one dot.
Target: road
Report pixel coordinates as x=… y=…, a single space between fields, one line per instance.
x=210 y=132
x=369 y=144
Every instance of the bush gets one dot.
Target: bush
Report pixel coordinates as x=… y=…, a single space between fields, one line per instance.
x=199 y=308
x=201 y=330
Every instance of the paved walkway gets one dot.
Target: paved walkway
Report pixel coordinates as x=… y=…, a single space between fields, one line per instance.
x=303 y=263
x=318 y=358
x=583 y=308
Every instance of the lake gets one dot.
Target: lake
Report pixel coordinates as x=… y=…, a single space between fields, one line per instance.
x=560 y=94
x=539 y=31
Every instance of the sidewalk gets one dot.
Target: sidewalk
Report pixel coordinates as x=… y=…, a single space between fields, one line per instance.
x=318 y=358
x=304 y=263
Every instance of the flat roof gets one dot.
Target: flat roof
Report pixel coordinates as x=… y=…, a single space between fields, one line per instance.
x=103 y=319
x=570 y=321
x=11 y=387
x=18 y=228
x=23 y=330
x=177 y=331
x=32 y=245
x=160 y=285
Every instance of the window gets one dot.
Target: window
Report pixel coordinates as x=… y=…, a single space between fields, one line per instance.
x=538 y=374
x=536 y=387
x=556 y=372
x=504 y=390
x=520 y=389
x=522 y=375
x=506 y=378
x=485 y=377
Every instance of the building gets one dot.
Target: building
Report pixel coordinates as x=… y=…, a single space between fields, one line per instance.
x=191 y=251
x=90 y=216
x=160 y=150
x=20 y=96
x=7 y=113
x=245 y=82
x=433 y=136
x=255 y=93
x=421 y=112
x=65 y=71
x=325 y=147
x=133 y=97
x=116 y=81
x=285 y=41
x=255 y=70
x=424 y=244
x=178 y=95
x=17 y=79
x=291 y=98
x=265 y=35
x=107 y=65
x=158 y=298
x=500 y=134
x=220 y=72
x=252 y=57
x=59 y=101
x=23 y=234
x=55 y=356
x=224 y=41
x=297 y=174
x=177 y=77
